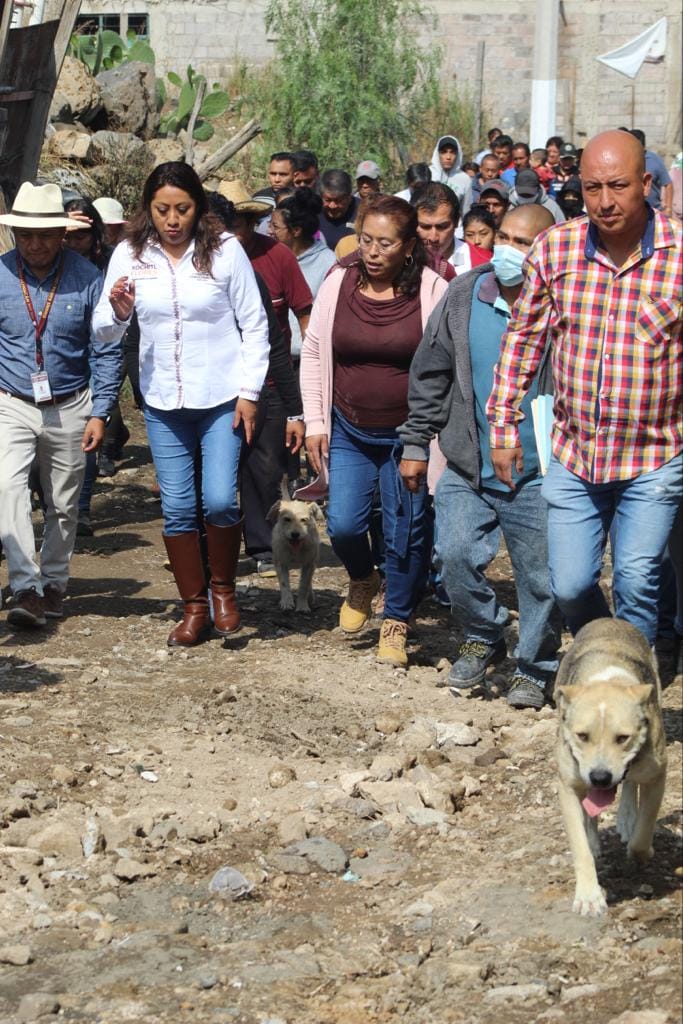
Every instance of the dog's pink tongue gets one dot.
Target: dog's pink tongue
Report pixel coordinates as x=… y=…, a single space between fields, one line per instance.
x=596 y=800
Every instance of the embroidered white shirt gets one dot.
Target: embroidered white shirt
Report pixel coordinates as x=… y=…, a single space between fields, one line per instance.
x=203 y=337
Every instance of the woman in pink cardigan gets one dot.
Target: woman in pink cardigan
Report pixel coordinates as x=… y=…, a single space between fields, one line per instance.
x=367 y=321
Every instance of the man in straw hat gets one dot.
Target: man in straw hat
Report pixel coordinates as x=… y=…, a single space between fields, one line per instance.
x=47 y=357
x=265 y=462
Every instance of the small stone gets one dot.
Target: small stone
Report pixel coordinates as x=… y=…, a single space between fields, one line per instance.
x=489 y=757
x=230 y=804
x=457 y=733
x=112 y=771
x=130 y=870
x=515 y=993
x=654 y=1016
x=58 y=840
x=18 y=955
x=63 y=775
x=149 y=776
x=281 y=776
x=425 y=817
x=207 y=981
x=88 y=677
x=568 y=995
x=292 y=828
x=349 y=781
x=325 y=854
x=388 y=723
x=36 y=1005
x=92 y=840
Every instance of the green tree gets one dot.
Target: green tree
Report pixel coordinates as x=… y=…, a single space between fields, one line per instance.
x=351 y=80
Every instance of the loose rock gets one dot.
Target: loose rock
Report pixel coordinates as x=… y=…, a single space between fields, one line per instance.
x=36 y=1005
x=17 y=954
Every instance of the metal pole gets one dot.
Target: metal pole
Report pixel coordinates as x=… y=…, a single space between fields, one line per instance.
x=478 y=94
x=544 y=84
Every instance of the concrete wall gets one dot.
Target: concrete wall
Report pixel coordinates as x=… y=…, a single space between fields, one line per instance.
x=216 y=35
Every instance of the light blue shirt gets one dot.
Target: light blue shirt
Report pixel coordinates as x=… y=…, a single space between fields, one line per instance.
x=70 y=352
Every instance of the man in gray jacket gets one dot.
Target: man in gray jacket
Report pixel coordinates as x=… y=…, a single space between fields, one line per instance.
x=528 y=190
x=451 y=377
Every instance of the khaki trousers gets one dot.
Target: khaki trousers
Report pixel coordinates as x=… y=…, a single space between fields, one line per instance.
x=53 y=434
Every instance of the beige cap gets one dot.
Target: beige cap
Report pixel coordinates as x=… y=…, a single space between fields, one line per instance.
x=110 y=210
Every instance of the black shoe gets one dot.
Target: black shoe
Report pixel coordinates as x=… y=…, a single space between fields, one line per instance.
x=525 y=692
x=106 y=465
x=84 y=527
x=474 y=657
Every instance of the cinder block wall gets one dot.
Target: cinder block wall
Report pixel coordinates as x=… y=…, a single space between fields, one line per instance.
x=216 y=35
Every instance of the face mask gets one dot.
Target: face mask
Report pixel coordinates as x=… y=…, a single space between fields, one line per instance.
x=507 y=264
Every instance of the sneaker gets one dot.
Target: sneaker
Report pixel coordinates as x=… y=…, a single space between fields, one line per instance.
x=356 y=609
x=84 y=526
x=525 y=692
x=265 y=568
x=106 y=465
x=28 y=609
x=53 y=601
x=392 y=643
x=474 y=657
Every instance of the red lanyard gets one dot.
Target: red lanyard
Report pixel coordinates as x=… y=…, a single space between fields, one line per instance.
x=39 y=325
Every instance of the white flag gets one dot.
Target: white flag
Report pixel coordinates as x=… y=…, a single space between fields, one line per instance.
x=649 y=46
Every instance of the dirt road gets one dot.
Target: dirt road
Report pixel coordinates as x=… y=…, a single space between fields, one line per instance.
x=405 y=850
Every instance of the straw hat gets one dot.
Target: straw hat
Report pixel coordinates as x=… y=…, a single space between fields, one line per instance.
x=240 y=198
x=110 y=210
x=36 y=206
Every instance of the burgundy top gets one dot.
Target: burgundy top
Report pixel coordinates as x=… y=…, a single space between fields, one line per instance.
x=373 y=342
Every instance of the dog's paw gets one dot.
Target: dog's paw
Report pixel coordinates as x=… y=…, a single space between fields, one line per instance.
x=303 y=607
x=641 y=855
x=286 y=602
x=590 y=902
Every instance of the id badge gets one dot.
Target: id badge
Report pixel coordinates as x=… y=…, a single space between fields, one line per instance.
x=41 y=387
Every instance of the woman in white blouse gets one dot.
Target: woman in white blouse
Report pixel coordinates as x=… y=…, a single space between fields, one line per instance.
x=203 y=359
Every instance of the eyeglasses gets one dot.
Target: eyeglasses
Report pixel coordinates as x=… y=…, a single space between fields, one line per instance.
x=366 y=242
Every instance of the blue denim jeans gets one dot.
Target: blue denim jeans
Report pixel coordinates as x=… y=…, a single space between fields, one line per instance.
x=640 y=512
x=469 y=523
x=174 y=436
x=359 y=460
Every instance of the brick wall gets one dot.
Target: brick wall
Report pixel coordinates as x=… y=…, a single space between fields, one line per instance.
x=216 y=35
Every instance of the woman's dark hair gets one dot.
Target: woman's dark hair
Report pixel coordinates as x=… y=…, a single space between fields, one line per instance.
x=222 y=209
x=285 y=193
x=479 y=214
x=417 y=174
x=408 y=280
x=301 y=210
x=99 y=253
x=206 y=230
x=555 y=140
x=471 y=165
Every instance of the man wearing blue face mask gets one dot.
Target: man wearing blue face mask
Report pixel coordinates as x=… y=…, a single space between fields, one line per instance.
x=451 y=377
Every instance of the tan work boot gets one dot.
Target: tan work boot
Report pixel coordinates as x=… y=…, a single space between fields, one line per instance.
x=392 y=643
x=356 y=609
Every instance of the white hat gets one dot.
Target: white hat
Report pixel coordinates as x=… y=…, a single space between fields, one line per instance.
x=110 y=210
x=236 y=192
x=36 y=206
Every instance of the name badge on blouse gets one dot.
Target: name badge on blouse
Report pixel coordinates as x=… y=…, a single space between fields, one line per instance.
x=143 y=272
x=41 y=387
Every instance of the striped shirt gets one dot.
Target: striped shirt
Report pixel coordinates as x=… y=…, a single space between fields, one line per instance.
x=617 y=350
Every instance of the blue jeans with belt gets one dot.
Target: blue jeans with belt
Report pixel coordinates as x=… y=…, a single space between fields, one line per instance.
x=174 y=437
x=359 y=460
x=640 y=512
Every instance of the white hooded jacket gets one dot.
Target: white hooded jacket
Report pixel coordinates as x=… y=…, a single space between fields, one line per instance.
x=456 y=179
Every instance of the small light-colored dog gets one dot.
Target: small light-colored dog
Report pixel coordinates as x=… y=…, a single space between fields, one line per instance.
x=295 y=546
x=610 y=733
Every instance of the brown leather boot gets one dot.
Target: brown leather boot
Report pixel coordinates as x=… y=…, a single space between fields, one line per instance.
x=223 y=543
x=186 y=563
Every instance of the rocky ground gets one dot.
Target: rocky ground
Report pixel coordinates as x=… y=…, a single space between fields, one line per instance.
x=402 y=852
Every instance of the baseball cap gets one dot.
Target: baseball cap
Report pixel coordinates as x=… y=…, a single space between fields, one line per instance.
x=367 y=169
x=527 y=185
x=567 y=150
x=497 y=186
x=448 y=140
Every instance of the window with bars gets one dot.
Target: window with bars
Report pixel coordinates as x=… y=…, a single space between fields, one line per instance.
x=91 y=24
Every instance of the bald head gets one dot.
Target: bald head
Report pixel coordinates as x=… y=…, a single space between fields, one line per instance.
x=521 y=225
x=615 y=184
x=618 y=149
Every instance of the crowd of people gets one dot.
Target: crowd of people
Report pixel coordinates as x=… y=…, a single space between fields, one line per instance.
x=392 y=346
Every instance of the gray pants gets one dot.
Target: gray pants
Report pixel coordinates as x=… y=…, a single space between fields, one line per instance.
x=52 y=434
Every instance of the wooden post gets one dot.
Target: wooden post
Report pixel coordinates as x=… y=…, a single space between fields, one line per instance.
x=5 y=22
x=46 y=80
x=478 y=96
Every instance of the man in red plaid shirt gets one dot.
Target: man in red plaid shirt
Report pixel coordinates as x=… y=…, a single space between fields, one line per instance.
x=608 y=287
